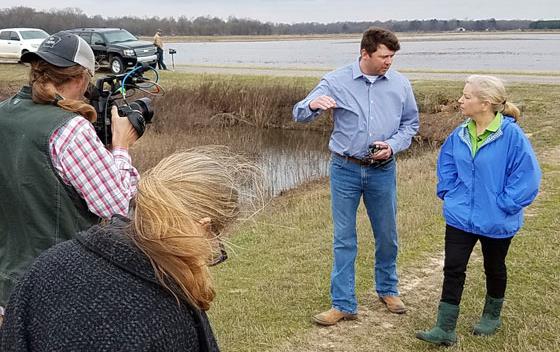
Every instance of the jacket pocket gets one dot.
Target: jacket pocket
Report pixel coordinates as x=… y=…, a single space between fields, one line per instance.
x=456 y=205
x=492 y=220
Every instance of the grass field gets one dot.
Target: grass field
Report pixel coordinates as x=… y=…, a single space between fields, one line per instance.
x=278 y=275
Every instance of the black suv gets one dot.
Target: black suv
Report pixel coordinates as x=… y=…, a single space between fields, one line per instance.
x=117 y=48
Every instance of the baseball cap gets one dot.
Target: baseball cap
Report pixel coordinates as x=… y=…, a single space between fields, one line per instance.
x=64 y=50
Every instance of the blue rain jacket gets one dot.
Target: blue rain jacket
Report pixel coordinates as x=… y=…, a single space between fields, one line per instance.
x=486 y=194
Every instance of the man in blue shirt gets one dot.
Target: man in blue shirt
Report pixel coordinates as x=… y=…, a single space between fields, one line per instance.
x=375 y=117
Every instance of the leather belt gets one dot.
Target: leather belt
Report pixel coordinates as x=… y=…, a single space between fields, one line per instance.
x=354 y=160
x=363 y=162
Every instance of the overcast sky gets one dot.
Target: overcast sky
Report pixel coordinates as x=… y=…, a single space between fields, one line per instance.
x=291 y=11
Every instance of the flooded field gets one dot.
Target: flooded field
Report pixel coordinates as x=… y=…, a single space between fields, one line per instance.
x=516 y=51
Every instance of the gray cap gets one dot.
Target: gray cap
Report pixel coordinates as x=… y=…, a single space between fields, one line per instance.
x=64 y=50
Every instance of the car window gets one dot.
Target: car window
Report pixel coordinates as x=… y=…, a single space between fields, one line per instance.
x=86 y=36
x=96 y=38
x=5 y=35
x=14 y=36
x=119 y=36
x=33 y=34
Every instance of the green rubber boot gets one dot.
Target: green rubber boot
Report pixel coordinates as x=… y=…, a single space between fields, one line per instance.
x=444 y=331
x=490 y=320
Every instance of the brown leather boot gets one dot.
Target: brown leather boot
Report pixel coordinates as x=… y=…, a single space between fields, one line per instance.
x=394 y=304
x=333 y=316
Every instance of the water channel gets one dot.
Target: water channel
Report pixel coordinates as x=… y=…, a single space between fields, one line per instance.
x=287 y=158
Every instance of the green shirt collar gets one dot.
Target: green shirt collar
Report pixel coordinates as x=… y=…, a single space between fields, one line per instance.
x=478 y=140
x=492 y=127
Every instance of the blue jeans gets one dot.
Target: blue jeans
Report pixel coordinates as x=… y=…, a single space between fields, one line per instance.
x=161 y=65
x=377 y=185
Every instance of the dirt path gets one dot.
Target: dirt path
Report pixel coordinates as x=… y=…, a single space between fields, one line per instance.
x=295 y=72
x=420 y=288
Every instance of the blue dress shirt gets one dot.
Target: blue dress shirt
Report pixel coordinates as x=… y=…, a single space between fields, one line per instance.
x=365 y=112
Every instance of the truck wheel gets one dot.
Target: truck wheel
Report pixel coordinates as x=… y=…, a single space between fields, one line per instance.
x=22 y=52
x=116 y=64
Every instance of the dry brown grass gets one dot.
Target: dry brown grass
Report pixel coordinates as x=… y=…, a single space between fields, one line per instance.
x=7 y=90
x=213 y=100
x=196 y=113
x=204 y=104
x=228 y=103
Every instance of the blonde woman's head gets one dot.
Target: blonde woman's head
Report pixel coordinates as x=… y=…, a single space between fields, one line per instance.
x=492 y=90
x=183 y=205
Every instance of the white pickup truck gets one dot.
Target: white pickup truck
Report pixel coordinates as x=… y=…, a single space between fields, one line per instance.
x=14 y=42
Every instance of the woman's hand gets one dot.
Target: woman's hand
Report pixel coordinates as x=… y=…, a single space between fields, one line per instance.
x=124 y=135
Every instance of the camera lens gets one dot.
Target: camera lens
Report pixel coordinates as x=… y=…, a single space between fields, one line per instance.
x=144 y=106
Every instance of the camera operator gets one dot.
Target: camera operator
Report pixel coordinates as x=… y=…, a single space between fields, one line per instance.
x=57 y=177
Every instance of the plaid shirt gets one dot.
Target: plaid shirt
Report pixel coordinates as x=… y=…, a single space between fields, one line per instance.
x=106 y=180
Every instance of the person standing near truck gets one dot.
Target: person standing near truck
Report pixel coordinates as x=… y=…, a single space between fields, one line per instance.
x=158 y=42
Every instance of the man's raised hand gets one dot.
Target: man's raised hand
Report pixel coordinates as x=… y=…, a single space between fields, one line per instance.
x=323 y=102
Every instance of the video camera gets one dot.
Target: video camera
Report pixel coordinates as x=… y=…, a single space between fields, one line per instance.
x=107 y=90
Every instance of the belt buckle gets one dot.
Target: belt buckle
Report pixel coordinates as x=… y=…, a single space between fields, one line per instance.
x=367 y=161
x=379 y=163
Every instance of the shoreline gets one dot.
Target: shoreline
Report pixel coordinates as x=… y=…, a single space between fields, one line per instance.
x=403 y=36
x=412 y=74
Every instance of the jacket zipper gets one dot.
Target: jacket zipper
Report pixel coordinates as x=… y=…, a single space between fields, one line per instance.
x=491 y=138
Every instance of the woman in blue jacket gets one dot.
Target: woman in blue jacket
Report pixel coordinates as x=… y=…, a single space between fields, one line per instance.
x=487 y=173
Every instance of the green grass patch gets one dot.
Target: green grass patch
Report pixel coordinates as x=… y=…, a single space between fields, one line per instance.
x=280 y=277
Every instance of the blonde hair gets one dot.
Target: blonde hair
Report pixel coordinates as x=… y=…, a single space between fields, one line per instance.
x=172 y=198
x=45 y=79
x=492 y=90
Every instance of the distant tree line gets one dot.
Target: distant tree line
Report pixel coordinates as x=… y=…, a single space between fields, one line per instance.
x=545 y=25
x=54 y=20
